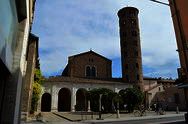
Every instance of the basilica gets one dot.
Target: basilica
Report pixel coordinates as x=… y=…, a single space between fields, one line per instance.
x=89 y=70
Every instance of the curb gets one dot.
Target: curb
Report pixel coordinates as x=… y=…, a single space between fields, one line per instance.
x=65 y=117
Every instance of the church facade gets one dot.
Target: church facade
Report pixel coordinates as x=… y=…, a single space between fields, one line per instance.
x=84 y=71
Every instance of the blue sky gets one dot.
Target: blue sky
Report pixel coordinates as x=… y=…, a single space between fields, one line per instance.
x=68 y=27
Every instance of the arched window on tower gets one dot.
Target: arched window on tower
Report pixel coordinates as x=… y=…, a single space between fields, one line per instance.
x=93 y=71
x=138 y=77
x=137 y=66
x=126 y=66
x=133 y=22
x=88 y=70
x=127 y=77
x=134 y=33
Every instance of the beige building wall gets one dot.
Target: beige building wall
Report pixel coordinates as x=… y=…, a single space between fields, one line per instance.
x=10 y=102
x=148 y=84
x=152 y=93
x=32 y=59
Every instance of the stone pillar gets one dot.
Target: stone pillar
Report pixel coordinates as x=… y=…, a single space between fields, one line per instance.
x=39 y=104
x=89 y=107
x=73 y=99
x=54 y=104
x=29 y=77
x=116 y=90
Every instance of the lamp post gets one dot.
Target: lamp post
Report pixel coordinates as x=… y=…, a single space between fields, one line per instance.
x=156 y=1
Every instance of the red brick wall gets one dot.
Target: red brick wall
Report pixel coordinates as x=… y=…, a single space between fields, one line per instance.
x=77 y=65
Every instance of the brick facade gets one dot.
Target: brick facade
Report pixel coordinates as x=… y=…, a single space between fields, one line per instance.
x=130 y=46
x=172 y=97
x=77 y=65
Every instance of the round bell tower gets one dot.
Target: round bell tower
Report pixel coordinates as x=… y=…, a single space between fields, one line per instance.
x=131 y=58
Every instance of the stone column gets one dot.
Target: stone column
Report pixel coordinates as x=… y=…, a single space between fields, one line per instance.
x=89 y=107
x=54 y=104
x=73 y=99
x=116 y=90
x=39 y=104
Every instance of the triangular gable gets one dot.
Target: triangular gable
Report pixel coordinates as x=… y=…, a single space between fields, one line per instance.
x=90 y=52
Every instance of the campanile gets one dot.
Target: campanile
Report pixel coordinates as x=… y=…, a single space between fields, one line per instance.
x=130 y=45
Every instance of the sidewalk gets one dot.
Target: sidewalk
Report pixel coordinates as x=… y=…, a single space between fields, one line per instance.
x=113 y=117
x=77 y=117
x=129 y=118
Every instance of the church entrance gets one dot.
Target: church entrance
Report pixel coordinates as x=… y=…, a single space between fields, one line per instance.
x=81 y=100
x=46 y=102
x=64 y=100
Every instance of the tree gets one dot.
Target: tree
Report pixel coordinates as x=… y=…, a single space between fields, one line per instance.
x=107 y=99
x=132 y=97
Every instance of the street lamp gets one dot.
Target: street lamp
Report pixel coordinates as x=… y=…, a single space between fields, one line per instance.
x=156 y=1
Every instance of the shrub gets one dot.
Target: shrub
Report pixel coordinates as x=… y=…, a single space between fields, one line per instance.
x=38 y=80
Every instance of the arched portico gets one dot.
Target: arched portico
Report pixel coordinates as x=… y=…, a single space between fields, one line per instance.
x=81 y=100
x=70 y=95
x=46 y=102
x=64 y=100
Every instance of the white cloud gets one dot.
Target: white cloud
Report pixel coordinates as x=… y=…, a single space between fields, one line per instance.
x=70 y=27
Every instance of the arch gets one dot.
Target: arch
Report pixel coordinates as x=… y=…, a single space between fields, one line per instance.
x=122 y=104
x=46 y=102
x=93 y=71
x=81 y=100
x=64 y=100
x=88 y=71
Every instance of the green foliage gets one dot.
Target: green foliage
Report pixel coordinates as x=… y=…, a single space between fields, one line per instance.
x=38 y=76
x=107 y=99
x=132 y=97
x=35 y=97
x=38 y=80
x=117 y=98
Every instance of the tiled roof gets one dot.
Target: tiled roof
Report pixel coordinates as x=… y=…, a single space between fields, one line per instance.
x=82 y=80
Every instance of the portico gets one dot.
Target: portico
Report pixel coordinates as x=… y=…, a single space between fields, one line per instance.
x=68 y=93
